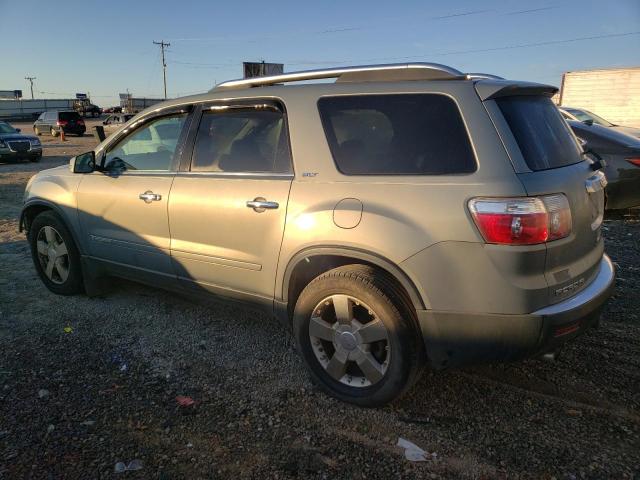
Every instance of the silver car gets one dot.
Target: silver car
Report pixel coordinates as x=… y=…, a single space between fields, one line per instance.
x=404 y=215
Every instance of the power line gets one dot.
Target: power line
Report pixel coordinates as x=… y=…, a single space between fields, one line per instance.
x=31 y=79
x=163 y=44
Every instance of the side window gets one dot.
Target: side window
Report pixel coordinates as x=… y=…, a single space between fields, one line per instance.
x=242 y=140
x=42 y=116
x=396 y=134
x=150 y=147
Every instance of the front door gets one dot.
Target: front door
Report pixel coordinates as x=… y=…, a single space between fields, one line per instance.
x=123 y=209
x=227 y=211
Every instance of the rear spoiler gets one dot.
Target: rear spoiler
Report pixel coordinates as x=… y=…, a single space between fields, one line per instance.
x=494 y=88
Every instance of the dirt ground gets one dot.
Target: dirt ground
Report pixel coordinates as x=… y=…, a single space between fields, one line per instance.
x=86 y=383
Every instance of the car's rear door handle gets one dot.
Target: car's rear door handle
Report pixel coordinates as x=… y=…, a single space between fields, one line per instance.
x=149 y=196
x=260 y=204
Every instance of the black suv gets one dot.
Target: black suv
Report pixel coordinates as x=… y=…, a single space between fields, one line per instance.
x=53 y=122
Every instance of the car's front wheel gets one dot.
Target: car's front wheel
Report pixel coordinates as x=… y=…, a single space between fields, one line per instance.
x=55 y=254
x=54 y=133
x=36 y=131
x=358 y=335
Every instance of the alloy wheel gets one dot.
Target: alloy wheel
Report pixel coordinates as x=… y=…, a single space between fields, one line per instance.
x=349 y=341
x=53 y=254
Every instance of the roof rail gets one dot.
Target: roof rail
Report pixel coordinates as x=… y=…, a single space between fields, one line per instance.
x=362 y=73
x=483 y=76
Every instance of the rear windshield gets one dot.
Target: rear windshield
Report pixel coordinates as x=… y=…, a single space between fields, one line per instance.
x=68 y=115
x=542 y=134
x=398 y=134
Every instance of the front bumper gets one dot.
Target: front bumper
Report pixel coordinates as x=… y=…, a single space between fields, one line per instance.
x=8 y=154
x=457 y=338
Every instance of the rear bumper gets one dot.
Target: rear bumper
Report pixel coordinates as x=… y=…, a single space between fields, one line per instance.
x=456 y=338
x=78 y=129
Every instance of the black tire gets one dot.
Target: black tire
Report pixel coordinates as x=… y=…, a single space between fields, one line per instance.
x=376 y=289
x=73 y=283
x=54 y=133
x=35 y=159
x=36 y=131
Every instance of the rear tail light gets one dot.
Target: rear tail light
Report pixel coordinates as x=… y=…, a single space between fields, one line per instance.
x=522 y=220
x=634 y=161
x=80 y=122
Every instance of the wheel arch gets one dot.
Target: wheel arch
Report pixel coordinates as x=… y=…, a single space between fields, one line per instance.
x=307 y=264
x=35 y=207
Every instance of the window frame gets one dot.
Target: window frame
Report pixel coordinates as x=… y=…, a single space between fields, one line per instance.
x=142 y=122
x=245 y=103
x=328 y=135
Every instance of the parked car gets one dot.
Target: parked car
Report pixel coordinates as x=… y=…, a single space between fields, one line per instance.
x=53 y=122
x=621 y=153
x=115 y=121
x=112 y=110
x=589 y=118
x=16 y=146
x=404 y=215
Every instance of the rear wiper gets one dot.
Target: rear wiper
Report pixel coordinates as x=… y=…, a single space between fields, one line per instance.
x=599 y=162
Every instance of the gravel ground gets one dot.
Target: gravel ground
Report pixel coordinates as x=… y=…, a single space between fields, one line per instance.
x=86 y=383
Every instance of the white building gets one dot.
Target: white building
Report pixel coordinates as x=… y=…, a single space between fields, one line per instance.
x=612 y=93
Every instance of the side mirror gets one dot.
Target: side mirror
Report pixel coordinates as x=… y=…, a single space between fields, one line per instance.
x=588 y=122
x=18 y=130
x=83 y=163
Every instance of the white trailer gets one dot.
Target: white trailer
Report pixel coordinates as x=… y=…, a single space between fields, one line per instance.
x=31 y=109
x=612 y=93
x=137 y=104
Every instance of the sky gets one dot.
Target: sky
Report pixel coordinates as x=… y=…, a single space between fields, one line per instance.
x=106 y=47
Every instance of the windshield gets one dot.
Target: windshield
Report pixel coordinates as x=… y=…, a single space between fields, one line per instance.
x=585 y=115
x=6 y=128
x=69 y=116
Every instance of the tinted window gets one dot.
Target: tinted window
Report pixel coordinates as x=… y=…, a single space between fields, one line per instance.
x=542 y=134
x=241 y=140
x=150 y=147
x=68 y=116
x=420 y=134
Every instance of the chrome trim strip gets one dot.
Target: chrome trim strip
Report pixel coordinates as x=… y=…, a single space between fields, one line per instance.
x=601 y=283
x=213 y=260
x=596 y=182
x=257 y=175
x=336 y=73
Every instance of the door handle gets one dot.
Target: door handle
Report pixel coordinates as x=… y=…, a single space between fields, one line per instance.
x=260 y=204
x=149 y=196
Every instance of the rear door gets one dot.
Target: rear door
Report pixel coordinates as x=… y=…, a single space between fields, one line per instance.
x=548 y=160
x=228 y=205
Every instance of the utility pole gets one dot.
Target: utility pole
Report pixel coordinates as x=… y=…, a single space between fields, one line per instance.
x=31 y=79
x=164 y=64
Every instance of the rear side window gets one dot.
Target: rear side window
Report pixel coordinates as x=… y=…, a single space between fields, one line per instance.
x=242 y=140
x=404 y=134
x=542 y=134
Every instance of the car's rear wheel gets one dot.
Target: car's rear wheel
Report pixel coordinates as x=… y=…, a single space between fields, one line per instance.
x=358 y=335
x=54 y=133
x=55 y=254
